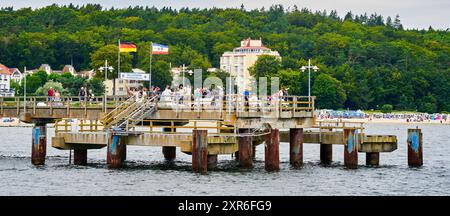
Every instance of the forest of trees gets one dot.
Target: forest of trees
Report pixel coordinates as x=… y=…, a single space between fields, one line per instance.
x=365 y=61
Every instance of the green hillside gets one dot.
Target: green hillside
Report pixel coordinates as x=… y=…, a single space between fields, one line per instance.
x=365 y=61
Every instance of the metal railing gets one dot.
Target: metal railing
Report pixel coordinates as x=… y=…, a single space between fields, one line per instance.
x=149 y=126
x=239 y=104
x=174 y=126
x=68 y=125
x=229 y=103
x=329 y=126
x=31 y=103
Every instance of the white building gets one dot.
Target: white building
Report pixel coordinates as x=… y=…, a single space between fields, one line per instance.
x=6 y=75
x=238 y=61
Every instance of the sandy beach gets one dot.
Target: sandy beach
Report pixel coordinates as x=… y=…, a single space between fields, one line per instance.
x=384 y=121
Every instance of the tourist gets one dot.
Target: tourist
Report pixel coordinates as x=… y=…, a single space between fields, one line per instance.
x=246 y=98
x=57 y=98
x=50 y=94
x=90 y=95
x=82 y=94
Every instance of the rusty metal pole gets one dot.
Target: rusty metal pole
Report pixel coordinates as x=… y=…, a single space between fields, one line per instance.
x=350 y=149
x=80 y=157
x=39 y=145
x=169 y=152
x=326 y=153
x=114 y=152
x=415 y=148
x=200 y=151
x=212 y=161
x=373 y=158
x=296 y=147
x=272 y=152
x=245 y=149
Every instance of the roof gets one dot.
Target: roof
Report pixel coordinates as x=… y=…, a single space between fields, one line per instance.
x=68 y=68
x=4 y=70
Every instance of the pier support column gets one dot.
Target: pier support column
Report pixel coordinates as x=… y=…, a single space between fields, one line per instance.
x=350 y=149
x=415 y=152
x=212 y=161
x=200 y=151
x=272 y=152
x=124 y=153
x=296 y=147
x=326 y=153
x=253 y=151
x=115 y=151
x=80 y=157
x=169 y=152
x=245 y=149
x=373 y=158
x=39 y=145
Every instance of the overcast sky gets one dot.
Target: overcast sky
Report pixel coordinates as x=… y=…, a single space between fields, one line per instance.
x=413 y=13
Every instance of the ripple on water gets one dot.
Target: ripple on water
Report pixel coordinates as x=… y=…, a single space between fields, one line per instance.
x=146 y=173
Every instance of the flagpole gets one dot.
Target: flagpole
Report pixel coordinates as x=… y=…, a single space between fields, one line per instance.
x=118 y=71
x=25 y=89
x=151 y=55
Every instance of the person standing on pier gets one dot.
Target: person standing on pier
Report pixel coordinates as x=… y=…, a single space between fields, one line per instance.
x=50 y=94
x=82 y=94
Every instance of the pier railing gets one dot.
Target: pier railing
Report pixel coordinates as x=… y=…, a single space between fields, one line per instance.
x=149 y=126
x=339 y=126
x=241 y=106
x=288 y=106
x=30 y=104
x=68 y=125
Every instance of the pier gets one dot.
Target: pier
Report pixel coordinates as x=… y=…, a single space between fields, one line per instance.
x=232 y=126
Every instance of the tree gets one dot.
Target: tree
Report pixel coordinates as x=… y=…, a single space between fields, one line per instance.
x=389 y=22
x=34 y=81
x=109 y=52
x=386 y=108
x=161 y=75
x=349 y=16
x=97 y=86
x=42 y=91
x=329 y=92
x=265 y=66
x=397 y=24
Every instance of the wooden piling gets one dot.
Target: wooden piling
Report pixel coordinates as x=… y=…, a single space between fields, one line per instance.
x=212 y=162
x=272 y=153
x=296 y=147
x=245 y=149
x=169 y=152
x=372 y=158
x=80 y=157
x=124 y=153
x=114 y=152
x=200 y=151
x=39 y=145
x=415 y=148
x=350 y=149
x=326 y=153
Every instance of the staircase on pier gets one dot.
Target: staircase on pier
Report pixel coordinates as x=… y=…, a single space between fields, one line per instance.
x=129 y=114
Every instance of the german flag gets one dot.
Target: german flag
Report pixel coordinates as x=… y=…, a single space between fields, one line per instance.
x=127 y=47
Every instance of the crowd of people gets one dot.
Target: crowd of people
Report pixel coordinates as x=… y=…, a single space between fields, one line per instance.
x=54 y=96
x=200 y=96
x=407 y=117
